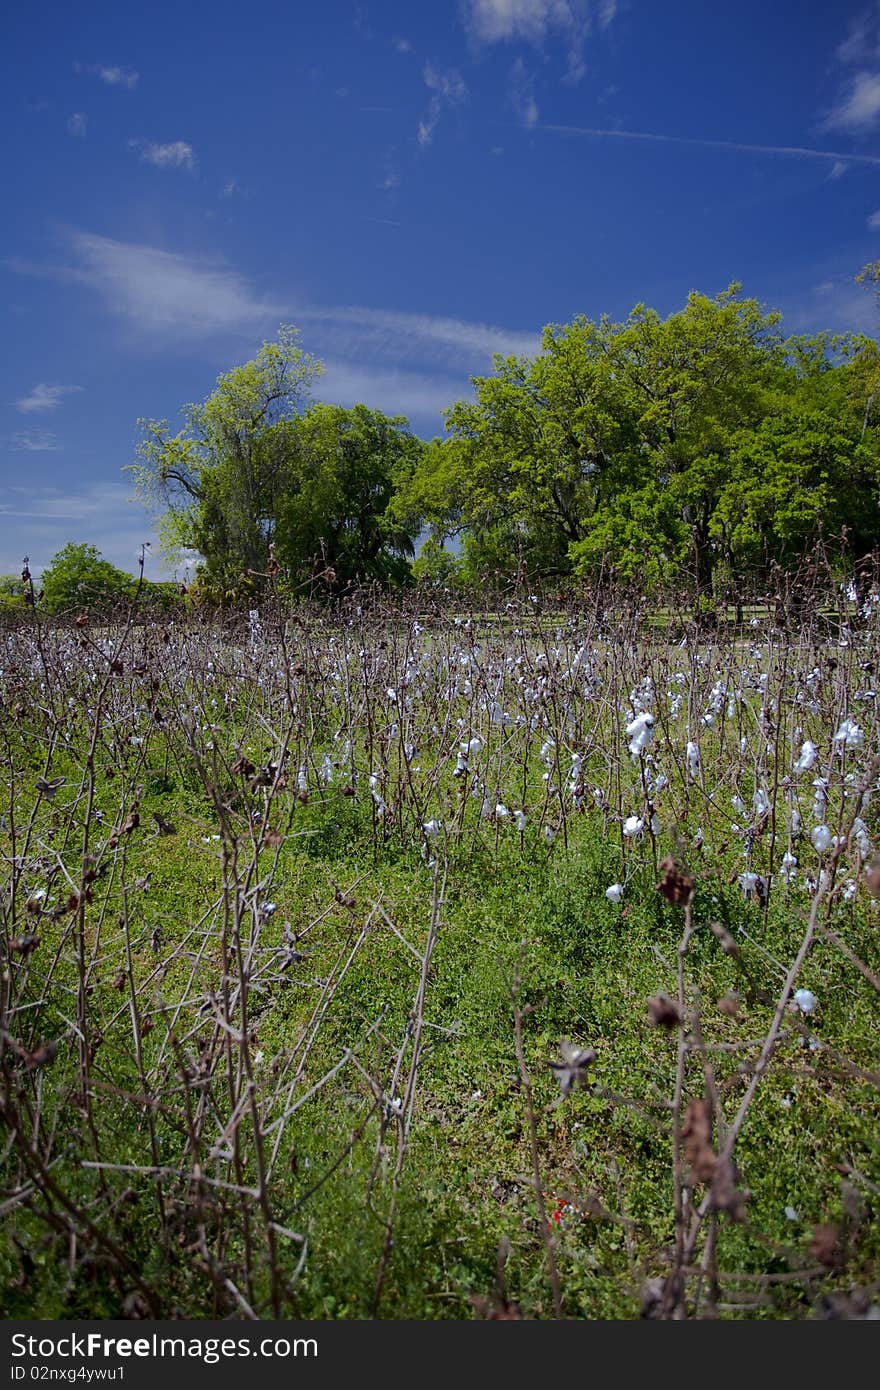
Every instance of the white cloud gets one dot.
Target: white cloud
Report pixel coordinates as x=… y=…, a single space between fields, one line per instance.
x=39 y=521
x=447 y=89
x=874 y=221
x=859 y=107
x=838 y=169
x=403 y=45
x=395 y=336
x=522 y=95
x=836 y=304
x=172 y=299
x=414 y=394
x=159 y=292
x=862 y=43
x=119 y=77
x=110 y=73
x=33 y=442
x=44 y=397
x=536 y=21
x=78 y=124
x=175 y=155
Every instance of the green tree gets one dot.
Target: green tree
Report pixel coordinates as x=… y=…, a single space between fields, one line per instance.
x=688 y=383
x=221 y=476
x=342 y=469
x=608 y=450
x=79 y=578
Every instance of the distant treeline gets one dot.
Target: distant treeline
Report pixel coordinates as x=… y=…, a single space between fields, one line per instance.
x=704 y=450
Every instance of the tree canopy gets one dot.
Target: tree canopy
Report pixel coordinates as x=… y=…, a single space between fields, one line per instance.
x=660 y=449
x=700 y=447
x=258 y=474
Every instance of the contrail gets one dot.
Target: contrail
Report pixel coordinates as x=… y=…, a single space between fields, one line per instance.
x=793 y=151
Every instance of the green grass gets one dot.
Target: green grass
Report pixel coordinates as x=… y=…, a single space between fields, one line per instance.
x=513 y=909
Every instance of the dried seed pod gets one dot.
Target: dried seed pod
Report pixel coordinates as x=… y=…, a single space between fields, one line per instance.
x=677 y=885
x=729 y=1003
x=696 y=1131
x=663 y=1012
x=825 y=1245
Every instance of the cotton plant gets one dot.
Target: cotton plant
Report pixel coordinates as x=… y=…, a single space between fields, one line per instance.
x=640 y=732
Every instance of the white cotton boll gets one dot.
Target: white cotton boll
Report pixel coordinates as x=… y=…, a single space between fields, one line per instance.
x=614 y=893
x=520 y=818
x=795 y=822
x=744 y=744
x=475 y=746
x=738 y=805
x=640 y=732
x=807 y=756
x=860 y=835
x=660 y=781
x=675 y=705
x=805 y=1000
x=655 y=825
x=791 y=1214
x=432 y=829
x=821 y=837
x=633 y=827
x=501 y=811
x=599 y=797
x=849 y=734
x=748 y=883
x=692 y=753
x=761 y=803
x=549 y=834
x=787 y=866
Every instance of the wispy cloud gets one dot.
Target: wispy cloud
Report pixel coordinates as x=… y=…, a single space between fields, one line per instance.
x=736 y=146
x=78 y=124
x=398 y=392
x=402 y=45
x=169 y=298
x=522 y=95
x=874 y=221
x=110 y=74
x=157 y=292
x=355 y=330
x=34 y=442
x=536 y=21
x=836 y=304
x=38 y=521
x=858 y=106
x=44 y=396
x=447 y=89
x=178 y=154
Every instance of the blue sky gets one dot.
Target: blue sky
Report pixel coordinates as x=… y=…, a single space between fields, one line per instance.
x=414 y=185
